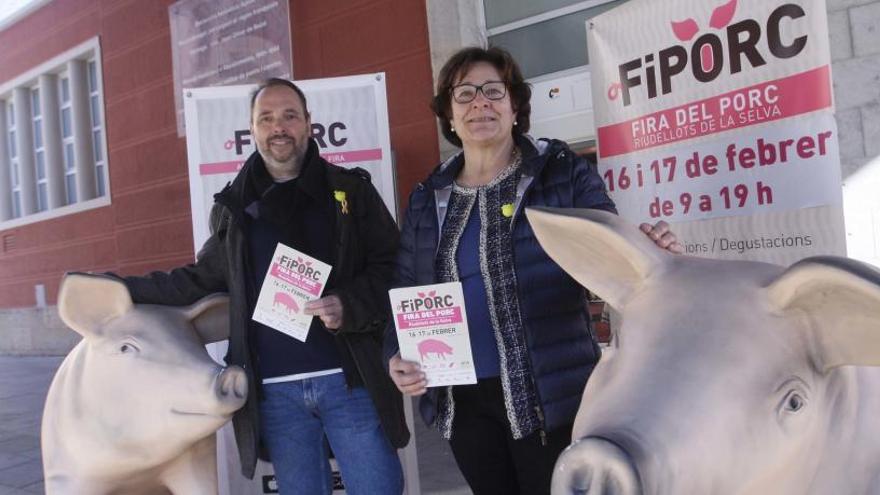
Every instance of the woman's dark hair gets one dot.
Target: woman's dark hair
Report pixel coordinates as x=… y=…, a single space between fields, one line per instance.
x=458 y=65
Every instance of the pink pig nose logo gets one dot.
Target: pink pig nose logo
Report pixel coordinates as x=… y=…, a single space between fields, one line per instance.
x=685 y=30
x=614 y=91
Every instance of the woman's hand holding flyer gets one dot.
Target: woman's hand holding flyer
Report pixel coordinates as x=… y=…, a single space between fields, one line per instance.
x=432 y=331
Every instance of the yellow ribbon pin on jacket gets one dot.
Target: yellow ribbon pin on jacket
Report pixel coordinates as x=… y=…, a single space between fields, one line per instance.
x=339 y=196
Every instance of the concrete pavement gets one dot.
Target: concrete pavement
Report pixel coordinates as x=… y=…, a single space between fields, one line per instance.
x=24 y=382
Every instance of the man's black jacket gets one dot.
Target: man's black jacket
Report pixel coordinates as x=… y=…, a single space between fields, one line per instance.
x=365 y=239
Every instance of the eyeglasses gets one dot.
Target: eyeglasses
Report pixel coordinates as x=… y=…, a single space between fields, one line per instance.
x=492 y=90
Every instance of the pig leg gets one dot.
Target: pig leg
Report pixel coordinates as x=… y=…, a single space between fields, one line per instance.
x=195 y=471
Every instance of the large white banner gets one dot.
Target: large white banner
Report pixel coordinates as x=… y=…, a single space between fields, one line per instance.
x=350 y=124
x=717 y=116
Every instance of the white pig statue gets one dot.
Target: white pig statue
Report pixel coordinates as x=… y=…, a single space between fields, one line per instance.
x=725 y=377
x=134 y=406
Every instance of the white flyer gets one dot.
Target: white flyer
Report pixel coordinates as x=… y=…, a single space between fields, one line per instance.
x=293 y=280
x=432 y=330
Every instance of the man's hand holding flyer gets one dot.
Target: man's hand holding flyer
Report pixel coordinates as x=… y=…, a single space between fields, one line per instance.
x=293 y=280
x=432 y=330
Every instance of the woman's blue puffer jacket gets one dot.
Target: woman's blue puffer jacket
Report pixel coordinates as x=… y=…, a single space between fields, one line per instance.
x=561 y=346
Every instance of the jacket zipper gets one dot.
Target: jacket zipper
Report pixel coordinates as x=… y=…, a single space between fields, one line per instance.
x=541 y=431
x=340 y=246
x=538 y=410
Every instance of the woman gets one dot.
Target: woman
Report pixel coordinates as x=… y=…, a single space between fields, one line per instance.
x=529 y=328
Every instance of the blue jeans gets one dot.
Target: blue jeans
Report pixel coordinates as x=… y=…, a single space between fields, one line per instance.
x=295 y=417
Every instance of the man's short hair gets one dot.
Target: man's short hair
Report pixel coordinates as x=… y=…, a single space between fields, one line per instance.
x=277 y=81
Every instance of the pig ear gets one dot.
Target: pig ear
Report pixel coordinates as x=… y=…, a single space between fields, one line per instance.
x=598 y=249
x=210 y=317
x=86 y=301
x=841 y=298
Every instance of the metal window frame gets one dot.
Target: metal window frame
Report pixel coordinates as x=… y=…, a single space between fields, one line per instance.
x=589 y=144
x=536 y=19
x=42 y=184
x=13 y=151
x=98 y=91
x=68 y=162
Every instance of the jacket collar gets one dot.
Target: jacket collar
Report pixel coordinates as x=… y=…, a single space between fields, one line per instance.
x=313 y=178
x=534 y=157
x=253 y=175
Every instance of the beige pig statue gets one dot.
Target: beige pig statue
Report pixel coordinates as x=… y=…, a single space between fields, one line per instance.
x=725 y=377
x=134 y=406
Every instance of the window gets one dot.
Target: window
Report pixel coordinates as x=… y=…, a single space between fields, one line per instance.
x=13 y=161
x=544 y=37
x=39 y=152
x=68 y=157
x=548 y=39
x=97 y=126
x=54 y=131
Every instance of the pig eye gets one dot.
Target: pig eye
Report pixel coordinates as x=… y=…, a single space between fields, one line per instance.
x=795 y=397
x=794 y=401
x=128 y=348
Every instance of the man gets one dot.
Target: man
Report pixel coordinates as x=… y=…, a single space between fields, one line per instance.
x=334 y=384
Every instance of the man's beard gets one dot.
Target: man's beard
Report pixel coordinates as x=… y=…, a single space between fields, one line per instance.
x=291 y=161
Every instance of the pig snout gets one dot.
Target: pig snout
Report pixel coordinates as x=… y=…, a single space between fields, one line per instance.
x=226 y=393
x=232 y=385
x=595 y=466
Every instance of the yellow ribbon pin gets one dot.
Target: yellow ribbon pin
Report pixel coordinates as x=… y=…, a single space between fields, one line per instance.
x=339 y=196
x=507 y=210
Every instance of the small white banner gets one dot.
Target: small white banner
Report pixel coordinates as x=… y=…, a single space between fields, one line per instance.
x=432 y=330
x=293 y=280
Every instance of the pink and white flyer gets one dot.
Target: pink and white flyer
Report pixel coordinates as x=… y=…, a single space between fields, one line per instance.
x=432 y=330
x=293 y=280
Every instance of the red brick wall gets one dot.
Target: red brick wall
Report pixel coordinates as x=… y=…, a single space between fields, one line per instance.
x=339 y=37
x=147 y=226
